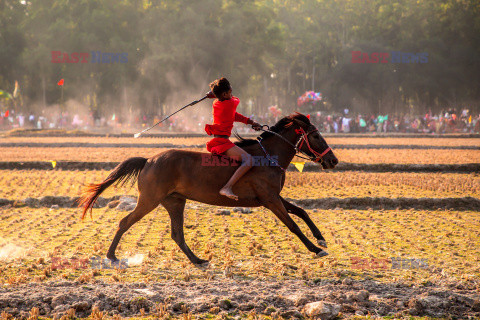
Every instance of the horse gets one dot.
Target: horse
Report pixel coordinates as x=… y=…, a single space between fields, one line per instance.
x=174 y=176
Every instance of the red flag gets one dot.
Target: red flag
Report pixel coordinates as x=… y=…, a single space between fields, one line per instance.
x=6 y=114
x=60 y=83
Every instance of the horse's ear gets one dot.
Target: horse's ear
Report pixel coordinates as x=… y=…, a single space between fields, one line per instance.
x=300 y=123
x=308 y=116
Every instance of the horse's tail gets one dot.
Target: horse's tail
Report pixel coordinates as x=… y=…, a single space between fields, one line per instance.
x=127 y=170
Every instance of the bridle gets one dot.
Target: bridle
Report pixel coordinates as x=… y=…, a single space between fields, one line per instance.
x=317 y=157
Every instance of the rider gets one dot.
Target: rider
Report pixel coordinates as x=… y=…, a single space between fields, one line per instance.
x=224 y=114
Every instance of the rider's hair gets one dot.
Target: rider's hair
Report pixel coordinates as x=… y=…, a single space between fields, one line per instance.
x=220 y=86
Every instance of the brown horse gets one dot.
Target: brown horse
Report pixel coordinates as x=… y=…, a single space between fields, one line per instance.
x=173 y=176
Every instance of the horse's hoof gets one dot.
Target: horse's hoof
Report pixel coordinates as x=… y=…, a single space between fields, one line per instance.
x=202 y=264
x=113 y=259
x=322 y=254
x=322 y=243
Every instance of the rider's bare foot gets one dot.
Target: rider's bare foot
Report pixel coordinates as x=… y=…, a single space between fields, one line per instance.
x=228 y=193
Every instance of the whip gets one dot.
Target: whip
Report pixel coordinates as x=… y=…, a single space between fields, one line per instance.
x=136 y=135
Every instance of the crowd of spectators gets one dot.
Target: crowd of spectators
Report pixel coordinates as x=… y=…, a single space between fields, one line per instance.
x=447 y=121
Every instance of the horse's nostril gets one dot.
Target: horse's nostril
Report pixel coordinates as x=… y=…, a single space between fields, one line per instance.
x=334 y=162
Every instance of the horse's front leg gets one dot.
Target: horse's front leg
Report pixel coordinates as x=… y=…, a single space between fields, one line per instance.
x=274 y=203
x=299 y=212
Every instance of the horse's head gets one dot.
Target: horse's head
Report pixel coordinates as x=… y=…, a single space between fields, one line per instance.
x=308 y=139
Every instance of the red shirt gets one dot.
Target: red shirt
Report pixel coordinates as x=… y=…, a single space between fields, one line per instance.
x=224 y=114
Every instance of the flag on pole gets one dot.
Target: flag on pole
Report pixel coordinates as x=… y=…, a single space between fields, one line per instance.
x=15 y=92
x=299 y=165
x=113 y=117
x=60 y=83
x=6 y=114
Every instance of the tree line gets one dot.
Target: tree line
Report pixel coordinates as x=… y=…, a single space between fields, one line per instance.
x=271 y=51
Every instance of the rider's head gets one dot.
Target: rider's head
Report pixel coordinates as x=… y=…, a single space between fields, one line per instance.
x=221 y=88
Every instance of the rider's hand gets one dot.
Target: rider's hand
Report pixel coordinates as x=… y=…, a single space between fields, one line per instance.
x=210 y=95
x=256 y=126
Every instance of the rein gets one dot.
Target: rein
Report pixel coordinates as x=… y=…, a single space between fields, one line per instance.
x=318 y=157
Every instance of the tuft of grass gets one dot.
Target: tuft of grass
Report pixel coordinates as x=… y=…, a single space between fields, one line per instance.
x=259 y=247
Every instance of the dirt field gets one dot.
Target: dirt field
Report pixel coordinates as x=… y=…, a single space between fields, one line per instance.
x=241 y=299
x=21 y=184
x=400 y=244
x=367 y=156
x=333 y=140
x=249 y=253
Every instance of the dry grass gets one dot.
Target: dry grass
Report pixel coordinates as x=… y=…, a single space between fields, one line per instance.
x=407 y=156
x=243 y=246
x=406 y=141
x=79 y=154
x=202 y=140
x=400 y=156
x=21 y=184
x=109 y=140
x=390 y=185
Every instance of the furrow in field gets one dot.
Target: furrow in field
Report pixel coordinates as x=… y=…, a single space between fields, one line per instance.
x=377 y=203
x=21 y=184
x=190 y=145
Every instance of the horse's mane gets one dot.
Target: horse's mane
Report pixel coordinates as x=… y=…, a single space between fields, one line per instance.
x=277 y=127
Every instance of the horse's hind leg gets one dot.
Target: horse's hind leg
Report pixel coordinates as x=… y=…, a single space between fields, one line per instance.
x=299 y=212
x=145 y=204
x=175 y=207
